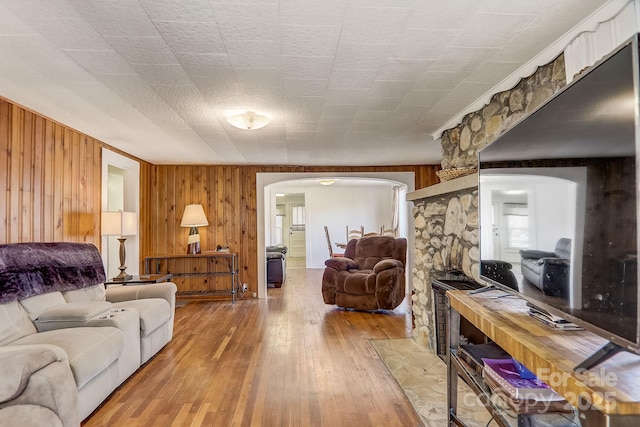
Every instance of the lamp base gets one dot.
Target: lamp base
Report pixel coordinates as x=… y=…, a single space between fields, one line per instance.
x=122 y=277
x=193 y=248
x=193 y=243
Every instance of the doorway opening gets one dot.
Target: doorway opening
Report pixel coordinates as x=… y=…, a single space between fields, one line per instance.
x=350 y=199
x=290 y=227
x=120 y=191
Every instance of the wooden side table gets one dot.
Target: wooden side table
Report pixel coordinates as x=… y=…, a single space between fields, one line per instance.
x=141 y=280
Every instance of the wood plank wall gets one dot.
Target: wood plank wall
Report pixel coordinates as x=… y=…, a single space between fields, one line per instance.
x=51 y=176
x=228 y=196
x=52 y=179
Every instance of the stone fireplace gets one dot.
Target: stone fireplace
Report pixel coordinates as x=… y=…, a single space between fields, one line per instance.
x=446 y=214
x=446 y=246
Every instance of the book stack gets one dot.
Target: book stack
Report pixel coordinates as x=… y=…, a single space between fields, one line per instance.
x=551 y=320
x=472 y=355
x=524 y=394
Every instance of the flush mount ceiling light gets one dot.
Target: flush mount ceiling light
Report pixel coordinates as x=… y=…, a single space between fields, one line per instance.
x=247 y=120
x=327 y=181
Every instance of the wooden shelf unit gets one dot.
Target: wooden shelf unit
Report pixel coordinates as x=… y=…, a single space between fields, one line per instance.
x=607 y=395
x=199 y=269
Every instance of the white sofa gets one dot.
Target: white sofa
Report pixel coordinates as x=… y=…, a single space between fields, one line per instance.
x=103 y=336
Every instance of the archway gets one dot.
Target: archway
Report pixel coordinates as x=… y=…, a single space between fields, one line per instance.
x=267 y=183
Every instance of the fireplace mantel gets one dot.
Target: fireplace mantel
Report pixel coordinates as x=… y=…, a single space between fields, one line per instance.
x=445 y=187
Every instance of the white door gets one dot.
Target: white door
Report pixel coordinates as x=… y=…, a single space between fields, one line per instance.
x=297 y=231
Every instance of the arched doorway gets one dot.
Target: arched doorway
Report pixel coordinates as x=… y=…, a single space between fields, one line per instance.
x=317 y=215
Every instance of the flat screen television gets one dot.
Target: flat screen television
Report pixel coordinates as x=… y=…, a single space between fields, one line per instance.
x=558 y=201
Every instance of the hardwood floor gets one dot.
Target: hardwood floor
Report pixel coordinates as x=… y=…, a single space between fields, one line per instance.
x=287 y=360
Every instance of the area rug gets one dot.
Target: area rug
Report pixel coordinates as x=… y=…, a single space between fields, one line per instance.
x=423 y=378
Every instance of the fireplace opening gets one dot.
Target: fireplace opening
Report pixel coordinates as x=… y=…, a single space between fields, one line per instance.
x=469 y=332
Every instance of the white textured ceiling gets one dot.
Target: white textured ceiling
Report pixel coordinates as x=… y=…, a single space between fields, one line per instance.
x=357 y=82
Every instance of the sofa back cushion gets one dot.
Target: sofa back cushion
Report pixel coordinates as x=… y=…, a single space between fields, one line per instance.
x=28 y=269
x=370 y=250
x=14 y=322
x=563 y=248
x=92 y=293
x=41 y=303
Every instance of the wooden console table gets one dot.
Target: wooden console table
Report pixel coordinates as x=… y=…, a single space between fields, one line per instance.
x=178 y=265
x=607 y=395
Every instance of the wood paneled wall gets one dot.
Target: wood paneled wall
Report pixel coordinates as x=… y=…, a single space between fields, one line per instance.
x=51 y=176
x=228 y=196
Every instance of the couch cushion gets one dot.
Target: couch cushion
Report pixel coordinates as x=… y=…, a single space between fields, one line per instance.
x=563 y=248
x=14 y=322
x=18 y=364
x=29 y=415
x=90 y=350
x=153 y=312
x=92 y=293
x=39 y=303
x=360 y=283
x=370 y=250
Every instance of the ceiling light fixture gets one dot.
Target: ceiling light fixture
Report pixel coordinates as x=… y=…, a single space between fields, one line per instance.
x=327 y=181
x=247 y=120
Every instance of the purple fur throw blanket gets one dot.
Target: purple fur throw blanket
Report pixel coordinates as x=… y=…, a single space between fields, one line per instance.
x=29 y=269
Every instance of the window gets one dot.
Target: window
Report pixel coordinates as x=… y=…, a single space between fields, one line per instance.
x=298 y=221
x=517 y=225
x=279 y=233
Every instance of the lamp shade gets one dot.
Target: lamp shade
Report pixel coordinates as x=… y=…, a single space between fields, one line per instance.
x=248 y=120
x=193 y=216
x=119 y=223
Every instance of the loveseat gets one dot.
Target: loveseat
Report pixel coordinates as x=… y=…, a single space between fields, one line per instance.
x=548 y=271
x=53 y=297
x=370 y=276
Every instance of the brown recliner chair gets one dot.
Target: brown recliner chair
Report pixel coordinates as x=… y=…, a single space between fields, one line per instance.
x=370 y=276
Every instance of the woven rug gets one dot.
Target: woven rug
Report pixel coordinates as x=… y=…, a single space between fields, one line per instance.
x=423 y=378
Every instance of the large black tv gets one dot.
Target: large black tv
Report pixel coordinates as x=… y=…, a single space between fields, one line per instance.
x=558 y=201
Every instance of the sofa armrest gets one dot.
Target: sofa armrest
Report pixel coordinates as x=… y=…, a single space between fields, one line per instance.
x=341 y=264
x=386 y=264
x=17 y=364
x=535 y=254
x=165 y=290
x=71 y=315
x=554 y=261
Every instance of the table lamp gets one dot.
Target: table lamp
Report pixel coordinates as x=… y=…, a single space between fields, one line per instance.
x=120 y=224
x=193 y=217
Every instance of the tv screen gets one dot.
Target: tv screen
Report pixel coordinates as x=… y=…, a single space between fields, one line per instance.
x=558 y=202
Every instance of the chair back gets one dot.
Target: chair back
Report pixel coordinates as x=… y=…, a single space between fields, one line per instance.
x=563 y=248
x=331 y=253
x=368 y=251
x=388 y=231
x=355 y=233
x=370 y=234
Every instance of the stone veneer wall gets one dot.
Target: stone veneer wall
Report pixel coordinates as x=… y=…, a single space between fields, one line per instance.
x=461 y=144
x=446 y=226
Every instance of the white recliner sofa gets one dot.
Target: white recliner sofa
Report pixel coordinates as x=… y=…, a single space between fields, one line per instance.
x=52 y=296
